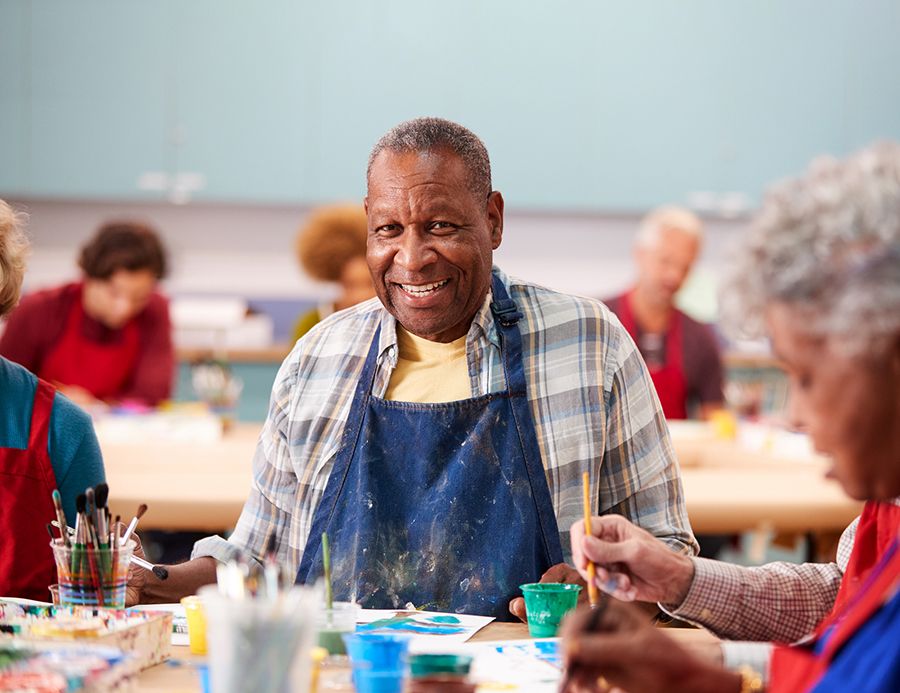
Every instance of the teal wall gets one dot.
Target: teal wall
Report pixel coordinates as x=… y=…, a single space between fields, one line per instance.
x=584 y=104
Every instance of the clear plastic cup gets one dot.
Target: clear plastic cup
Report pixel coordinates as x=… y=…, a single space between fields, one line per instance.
x=260 y=645
x=91 y=577
x=545 y=605
x=334 y=623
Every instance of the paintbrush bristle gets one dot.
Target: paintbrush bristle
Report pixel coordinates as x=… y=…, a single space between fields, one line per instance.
x=160 y=572
x=142 y=508
x=101 y=494
x=80 y=502
x=57 y=499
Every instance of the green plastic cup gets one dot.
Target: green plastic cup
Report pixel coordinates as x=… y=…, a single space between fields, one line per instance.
x=546 y=603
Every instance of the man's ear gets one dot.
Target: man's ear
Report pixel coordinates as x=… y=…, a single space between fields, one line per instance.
x=366 y=204
x=495 y=217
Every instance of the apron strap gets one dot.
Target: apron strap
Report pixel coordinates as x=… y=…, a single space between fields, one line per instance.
x=506 y=317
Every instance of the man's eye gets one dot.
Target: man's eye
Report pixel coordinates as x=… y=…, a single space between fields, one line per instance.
x=444 y=226
x=387 y=229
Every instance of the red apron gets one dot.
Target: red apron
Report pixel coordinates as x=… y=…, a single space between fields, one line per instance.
x=668 y=379
x=797 y=669
x=26 y=506
x=101 y=369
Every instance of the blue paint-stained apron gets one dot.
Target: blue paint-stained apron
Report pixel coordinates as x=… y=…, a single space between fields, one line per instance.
x=442 y=505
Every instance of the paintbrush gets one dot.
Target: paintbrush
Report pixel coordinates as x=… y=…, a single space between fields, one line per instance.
x=142 y=508
x=101 y=495
x=591 y=626
x=593 y=595
x=61 y=518
x=271 y=570
x=78 y=549
x=326 y=566
x=157 y=570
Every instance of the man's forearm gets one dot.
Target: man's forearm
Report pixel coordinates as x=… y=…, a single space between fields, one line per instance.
x=184 y=579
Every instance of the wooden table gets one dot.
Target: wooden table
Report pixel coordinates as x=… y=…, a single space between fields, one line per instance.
x=166 y=678
x=727 y=489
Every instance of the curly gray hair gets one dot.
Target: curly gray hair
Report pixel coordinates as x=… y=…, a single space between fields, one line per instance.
x=429 y=134
x=827 y=244
x=13 y=251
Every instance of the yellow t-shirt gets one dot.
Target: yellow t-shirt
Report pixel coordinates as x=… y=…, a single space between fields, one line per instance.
x=429 y=371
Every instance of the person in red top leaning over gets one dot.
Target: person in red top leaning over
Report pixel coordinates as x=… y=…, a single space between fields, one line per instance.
x=681 y=353
x=108 y=336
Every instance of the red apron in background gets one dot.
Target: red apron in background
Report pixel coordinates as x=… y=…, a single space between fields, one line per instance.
x=101 y=369
x=26 y=506
x=668 y=379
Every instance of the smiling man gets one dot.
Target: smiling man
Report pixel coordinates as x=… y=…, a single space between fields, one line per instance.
x=438 y=434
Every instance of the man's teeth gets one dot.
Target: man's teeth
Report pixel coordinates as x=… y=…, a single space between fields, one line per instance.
x=422 y=288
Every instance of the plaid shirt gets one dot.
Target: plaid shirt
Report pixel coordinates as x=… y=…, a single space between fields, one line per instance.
x=778 y=601
x=593 y=404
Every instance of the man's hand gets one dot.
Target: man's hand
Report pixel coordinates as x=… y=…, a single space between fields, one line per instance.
x=561 y=572
x=622 y=650
x=631 y=563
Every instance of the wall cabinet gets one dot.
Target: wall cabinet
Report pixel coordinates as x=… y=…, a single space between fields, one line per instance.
x=583 y=104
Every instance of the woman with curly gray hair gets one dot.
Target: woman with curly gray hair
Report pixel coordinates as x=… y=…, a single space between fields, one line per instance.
x=46 y=442
x=820 y=273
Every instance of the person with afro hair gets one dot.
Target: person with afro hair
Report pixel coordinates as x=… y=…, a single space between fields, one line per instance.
x=331 y=247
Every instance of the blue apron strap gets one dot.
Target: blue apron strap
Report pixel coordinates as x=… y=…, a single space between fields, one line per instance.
x=341 y=466
x=506 y=317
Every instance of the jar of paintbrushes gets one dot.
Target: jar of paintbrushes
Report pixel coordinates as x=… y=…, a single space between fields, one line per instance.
x=91 y=563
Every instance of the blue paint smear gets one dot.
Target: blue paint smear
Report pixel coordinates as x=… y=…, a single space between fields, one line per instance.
x=444 y=619
x=542 y=650
x=409 y=627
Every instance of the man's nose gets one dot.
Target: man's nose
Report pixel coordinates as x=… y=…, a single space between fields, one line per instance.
x=415 y=252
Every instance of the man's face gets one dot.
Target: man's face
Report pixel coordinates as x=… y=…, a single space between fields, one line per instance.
x=117 y=300
x=431 y=241
x=665 y=264
x=849 y=406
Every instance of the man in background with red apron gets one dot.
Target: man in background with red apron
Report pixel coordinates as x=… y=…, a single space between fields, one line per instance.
x=681 y=354
x=107 y=337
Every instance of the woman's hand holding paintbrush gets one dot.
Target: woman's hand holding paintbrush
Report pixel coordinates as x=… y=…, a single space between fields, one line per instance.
x=631 y=563
x=614 y=647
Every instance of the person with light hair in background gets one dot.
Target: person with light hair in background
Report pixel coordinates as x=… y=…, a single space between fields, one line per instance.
x=820 y=272
x=106 y=338
x=681 y=353
x=331 y=247
x=46 y=442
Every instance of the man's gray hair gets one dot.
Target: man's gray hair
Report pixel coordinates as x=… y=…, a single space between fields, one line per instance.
x=13 y=252
x=828 y=245
x=668 y=217
x=431 y=134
